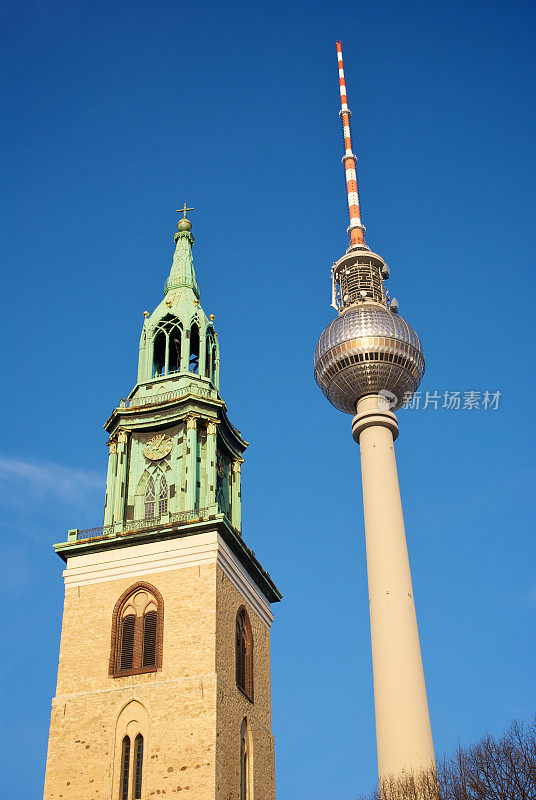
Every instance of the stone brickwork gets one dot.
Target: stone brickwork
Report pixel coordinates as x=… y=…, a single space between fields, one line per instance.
x=233 y=705
x=189 y=713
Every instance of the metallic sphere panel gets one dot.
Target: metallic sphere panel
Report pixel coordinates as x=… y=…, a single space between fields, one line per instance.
x=365 y=350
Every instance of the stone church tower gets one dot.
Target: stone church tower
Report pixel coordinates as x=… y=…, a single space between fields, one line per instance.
x=164 y=668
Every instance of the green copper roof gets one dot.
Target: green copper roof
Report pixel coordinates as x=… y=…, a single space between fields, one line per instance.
x=182 y=274
x=180 y=316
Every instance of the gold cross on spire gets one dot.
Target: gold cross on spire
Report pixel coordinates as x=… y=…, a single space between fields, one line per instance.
x=184 y=210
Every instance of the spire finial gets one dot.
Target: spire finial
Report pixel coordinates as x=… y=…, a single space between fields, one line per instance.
x=355 y=229
x=184 y=224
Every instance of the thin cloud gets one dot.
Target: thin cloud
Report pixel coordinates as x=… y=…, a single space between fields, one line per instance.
x=23 y=479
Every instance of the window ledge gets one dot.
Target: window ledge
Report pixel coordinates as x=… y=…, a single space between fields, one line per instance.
x=124 y=673
x=246 y=695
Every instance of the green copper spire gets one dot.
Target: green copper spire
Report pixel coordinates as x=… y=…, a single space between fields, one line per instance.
x=182 y=273
x=178 y=341
x=175 y=460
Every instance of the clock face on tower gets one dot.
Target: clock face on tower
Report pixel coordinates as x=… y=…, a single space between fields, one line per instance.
x=158 y=447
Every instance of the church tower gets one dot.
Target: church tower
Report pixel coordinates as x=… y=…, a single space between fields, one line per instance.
x=164 y=668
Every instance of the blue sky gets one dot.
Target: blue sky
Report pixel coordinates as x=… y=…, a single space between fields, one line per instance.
x=117 y=113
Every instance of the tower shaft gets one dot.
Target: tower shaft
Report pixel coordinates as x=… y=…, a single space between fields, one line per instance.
x=403 y=732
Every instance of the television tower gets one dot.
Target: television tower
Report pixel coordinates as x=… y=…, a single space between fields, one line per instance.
x=368 y=362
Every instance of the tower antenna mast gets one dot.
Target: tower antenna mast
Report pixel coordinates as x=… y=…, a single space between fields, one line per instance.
x=355 y=230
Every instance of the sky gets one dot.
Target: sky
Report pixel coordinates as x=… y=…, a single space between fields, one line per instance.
x=114 y=115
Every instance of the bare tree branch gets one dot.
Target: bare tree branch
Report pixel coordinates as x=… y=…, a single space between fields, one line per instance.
x=491 y=769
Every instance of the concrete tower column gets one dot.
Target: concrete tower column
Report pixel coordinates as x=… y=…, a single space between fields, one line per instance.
x=403 y=731
x=191 y=462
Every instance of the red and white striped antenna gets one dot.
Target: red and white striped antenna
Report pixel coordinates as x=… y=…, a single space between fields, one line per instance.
x=355 y=230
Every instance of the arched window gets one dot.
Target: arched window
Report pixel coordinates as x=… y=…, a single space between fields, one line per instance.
x=156 y=496
x=193 y=364
x=137 y=631
x=159 y=354
x=244 y=654
x=163 y=496
x=128 y=626
x=167 y=343
x=214 y=365
x=138 y=766
x=246 y=762
x=150 y=621
x=208 y=355
x=175 y=340
x=150 y=498
x=131 y=732
x=125 y=768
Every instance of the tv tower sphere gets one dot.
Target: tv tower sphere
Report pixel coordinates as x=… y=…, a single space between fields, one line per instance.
x=367 y=349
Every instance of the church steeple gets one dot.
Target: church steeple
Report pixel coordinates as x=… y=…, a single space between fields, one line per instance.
x=173 y=452
x=178 y=341
x=178 y=697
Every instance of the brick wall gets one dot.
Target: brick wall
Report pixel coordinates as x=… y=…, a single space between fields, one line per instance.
x=189 y=712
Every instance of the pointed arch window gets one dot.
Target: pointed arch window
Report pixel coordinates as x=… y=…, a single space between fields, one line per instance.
x=156 y=496
x=138 y=766
x=163 y=496
x=130 y=747
x=137 y=631
x=246 y=762
x=208 y=355
x=167 y=346
x=193 y=364
x=150 y=623
x=214 y=365
x=175 y=346
x=244 y=653
x=159 y=354
x=125 y=768
x=128 y=626
x=150 y=499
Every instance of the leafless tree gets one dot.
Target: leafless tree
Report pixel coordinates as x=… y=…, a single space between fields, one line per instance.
x=492 y=769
